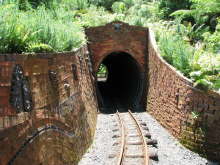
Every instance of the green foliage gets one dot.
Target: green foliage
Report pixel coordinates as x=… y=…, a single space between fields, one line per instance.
x=169 y=6
x=102 y=69
x=202 y=31
x=195 y=115
x=196 y=63
x=76 y=4
x=129 y=3
x=104 y=3
x=216 y=84
x=203 y=12
x=203 y=84
x=40 y=48
x=142 y=12
x=102 y=72
x=212 y=40
x=205 y=7
x=95 y=17
x=190 y=42
x=175 y=50
x=206 y=71
x=22 y=31
x=196 y=75
x=119 y=7
x=28 y=4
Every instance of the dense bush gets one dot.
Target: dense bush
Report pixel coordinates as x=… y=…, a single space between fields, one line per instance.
x=75 y=4
x=119 y=7
x=94 y=16
x=174 y=49
x=104 y=3
x=27 y=4
x=198 y=64
x=169 y=6
x=206 y=70
x=212 y=40
x=196 y=24
x=204 y=14
x=38 y=30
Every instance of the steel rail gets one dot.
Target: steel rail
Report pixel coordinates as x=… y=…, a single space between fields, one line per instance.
x=122 y=149
x=146 y=156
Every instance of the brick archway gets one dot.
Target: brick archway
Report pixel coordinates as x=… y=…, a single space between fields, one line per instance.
x=98 y=62
x=120 y=37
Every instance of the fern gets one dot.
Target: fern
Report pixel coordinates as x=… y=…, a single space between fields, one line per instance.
x=119 y=7
x=20 y=29
x=39 y=48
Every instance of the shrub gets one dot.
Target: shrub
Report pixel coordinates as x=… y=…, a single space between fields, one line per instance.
x=75 y=4
x=206 y=71
x=105 y=3
x=169 y=6
x=27 y=4
x=95 y=17
x=119 y=7
x=129 y=3
x=175 y=51
x=201 y=66
x=201 y=12
x=23 y=31
x=212 y=40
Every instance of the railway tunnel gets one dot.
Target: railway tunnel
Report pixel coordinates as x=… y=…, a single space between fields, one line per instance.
x=123 y=50
x=122 y=85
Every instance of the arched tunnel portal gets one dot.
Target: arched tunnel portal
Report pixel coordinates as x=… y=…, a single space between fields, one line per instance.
x=123 y=85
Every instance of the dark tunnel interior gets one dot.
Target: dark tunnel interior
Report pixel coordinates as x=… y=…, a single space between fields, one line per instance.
x=121 y=88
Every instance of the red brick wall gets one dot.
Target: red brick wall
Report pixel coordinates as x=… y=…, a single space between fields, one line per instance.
x=172 y=100
x=61 y=125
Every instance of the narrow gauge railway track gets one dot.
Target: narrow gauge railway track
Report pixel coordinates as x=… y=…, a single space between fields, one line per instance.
x=133 y=149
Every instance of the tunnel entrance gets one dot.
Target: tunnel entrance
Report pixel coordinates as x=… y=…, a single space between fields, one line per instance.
x=121 y=87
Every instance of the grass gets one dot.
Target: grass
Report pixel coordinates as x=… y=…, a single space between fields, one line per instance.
x=198 y=64
x=38 y=30
x=176 y=52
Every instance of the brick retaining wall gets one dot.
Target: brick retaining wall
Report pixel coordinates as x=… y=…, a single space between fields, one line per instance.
x=57 y=120
x=191 y=115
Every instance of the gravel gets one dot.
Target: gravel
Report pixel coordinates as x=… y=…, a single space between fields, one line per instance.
x=104 y=149
x=170 y=151
x=101 y=151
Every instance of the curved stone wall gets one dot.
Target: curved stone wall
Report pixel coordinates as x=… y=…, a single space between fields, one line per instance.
x=191 y=115
x=47 y=108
